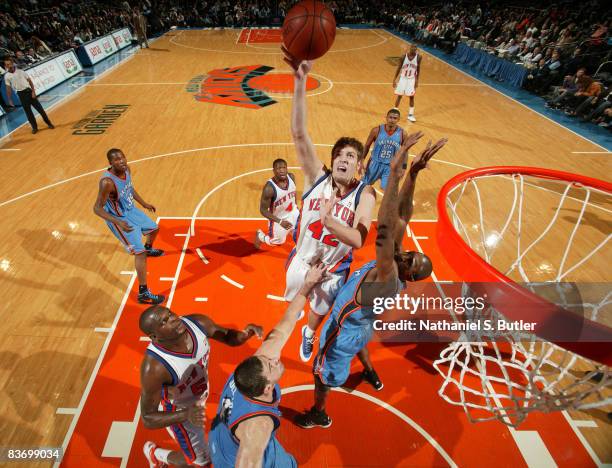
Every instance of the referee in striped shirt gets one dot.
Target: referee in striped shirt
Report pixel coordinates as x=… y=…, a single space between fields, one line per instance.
x=22 y=84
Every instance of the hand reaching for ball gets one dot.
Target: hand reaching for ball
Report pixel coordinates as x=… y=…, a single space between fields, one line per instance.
x=300 y=68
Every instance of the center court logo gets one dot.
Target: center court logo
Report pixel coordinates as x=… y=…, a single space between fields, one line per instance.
x=244 y=86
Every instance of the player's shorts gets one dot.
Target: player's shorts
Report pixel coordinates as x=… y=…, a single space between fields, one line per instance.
x=323 y=294
x=377 y=170
x=191 y=439
x=141 y=224
x=337 y=349
x=277 y=232
x=405 y=87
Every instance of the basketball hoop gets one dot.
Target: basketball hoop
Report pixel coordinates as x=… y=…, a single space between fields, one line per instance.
x=507 y=375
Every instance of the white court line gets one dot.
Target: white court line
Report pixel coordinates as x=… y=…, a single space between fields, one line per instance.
x=166 y=278
x=591 y=152
x=201 y=299
x=503 y=94
x=177 y=272
x=232 y=282
x=383 y=404
x=103 y=330
x=181 y=234
x=199 y=252
x=10 y=149
x=66 y=411
x=94 y=372
x=421 y=237
x=239 y=34
x=276 y=298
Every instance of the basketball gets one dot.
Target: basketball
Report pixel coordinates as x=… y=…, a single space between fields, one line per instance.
x=309 y=30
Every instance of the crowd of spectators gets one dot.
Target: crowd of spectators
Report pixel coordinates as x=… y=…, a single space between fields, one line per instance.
x=553 y=41
x=565 y=46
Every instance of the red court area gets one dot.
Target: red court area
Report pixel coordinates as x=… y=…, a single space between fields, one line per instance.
x=259 y=36
x=405 y=424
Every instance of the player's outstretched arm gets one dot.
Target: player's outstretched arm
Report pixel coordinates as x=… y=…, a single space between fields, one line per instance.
x=352 y=236
x=229 y=336
x=386 y=269
x=254 y=435
x=406 y=194
x=153 y=376
x=276 y=339
x=306 y=153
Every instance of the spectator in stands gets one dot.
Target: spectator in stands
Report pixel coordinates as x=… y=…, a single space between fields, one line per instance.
x=140 y=27
x=537 y=78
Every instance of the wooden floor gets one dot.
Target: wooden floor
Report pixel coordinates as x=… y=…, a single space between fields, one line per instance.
x=61 y=270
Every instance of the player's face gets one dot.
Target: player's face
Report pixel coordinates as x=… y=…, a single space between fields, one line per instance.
x=169 y=326
x=413 y=266
x=392 y=119
x=346 y=165
x=280 y=171
x=411 y=50
x=119 y=162
x=272 y=369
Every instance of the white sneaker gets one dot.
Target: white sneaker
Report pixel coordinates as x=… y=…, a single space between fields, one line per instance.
x=149 y=452
x=411 y=117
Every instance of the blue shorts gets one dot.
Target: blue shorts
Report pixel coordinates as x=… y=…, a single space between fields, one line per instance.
x=142 y=224
x=337 y=349
x=377 y=170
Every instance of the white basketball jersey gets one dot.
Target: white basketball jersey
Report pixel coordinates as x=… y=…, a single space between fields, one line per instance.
x=189 y=371
x=409 y=67
x=283 y=203
x=315 y=242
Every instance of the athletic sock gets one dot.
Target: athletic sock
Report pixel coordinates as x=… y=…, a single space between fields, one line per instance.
x=162 y=454
x=411 y=111
x=142 y=288
x=308 y=332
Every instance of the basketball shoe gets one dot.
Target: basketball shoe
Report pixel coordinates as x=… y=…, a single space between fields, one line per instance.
x=149 y=451
x=313 y=418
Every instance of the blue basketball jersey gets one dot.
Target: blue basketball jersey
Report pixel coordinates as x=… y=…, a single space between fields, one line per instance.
x=125 y=194
x=346 y=313
x=386 y=145
x=234 y=408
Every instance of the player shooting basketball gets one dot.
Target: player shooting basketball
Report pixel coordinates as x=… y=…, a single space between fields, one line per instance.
x=332 y=239
x=348 y=329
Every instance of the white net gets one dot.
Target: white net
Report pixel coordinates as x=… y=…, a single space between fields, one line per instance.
x=550 y=231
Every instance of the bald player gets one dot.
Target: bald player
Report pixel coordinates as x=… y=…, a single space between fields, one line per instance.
x=174 y=381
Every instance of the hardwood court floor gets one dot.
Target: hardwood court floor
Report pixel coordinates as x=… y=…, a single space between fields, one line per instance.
x=60 y=268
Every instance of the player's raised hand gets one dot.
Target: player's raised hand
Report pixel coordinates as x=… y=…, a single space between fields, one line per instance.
x=421 y=160
x=300 y=68
x=252 y=329
x=411 y=140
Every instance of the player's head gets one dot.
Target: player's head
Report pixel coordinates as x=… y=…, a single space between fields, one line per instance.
x=279 y=166
x=117 y=160
x=413 y=266
x=161 y=324
x=257 y=376
x=412 y=49
x=347 y=159
x=393 y=117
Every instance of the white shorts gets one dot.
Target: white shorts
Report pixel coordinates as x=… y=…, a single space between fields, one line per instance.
x=322 y=296
x=405 y=86
x=192 y=441
x=277 y=232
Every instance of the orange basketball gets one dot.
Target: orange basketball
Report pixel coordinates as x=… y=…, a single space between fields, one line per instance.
x=309 y=30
